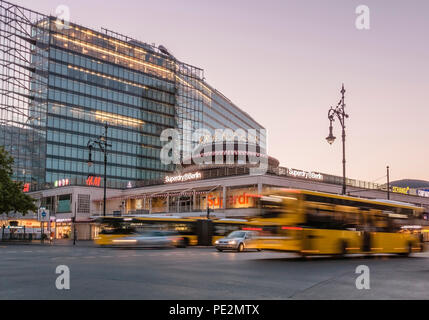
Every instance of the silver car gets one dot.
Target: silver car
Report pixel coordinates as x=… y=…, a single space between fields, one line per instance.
x=238 y=240
x=150 y=239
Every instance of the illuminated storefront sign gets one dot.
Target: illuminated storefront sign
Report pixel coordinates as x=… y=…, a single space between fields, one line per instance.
x=26 y=187
x=93 y=181
x=401 y=190
x=183 y=178
x=423 y=193
x=61 y=183
x=304 y=174
x=235 y=200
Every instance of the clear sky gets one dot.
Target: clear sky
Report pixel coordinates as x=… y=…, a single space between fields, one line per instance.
x=284 y=61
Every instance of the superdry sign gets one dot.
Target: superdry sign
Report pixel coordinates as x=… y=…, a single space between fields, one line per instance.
x=304 y=174
x=183 y=178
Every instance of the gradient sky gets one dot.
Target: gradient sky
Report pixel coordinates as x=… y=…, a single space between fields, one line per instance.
x=283 y=62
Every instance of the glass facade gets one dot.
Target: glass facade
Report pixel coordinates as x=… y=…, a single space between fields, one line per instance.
x=219 y=113
x=77 y=80
x=93 y=79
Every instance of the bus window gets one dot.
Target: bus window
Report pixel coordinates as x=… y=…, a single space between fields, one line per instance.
x=319 y=219
x=223 y=229
x=269 y=231
x=271 y=207
x=117 y=229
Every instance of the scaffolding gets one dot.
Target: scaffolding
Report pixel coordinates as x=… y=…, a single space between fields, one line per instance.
x=24 y=43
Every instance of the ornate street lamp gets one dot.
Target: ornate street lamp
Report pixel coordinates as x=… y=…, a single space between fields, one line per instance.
x=103 y=145
x=341 y=115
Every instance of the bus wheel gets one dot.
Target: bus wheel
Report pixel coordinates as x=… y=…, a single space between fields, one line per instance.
x=182 y=243
x=343 y=249
x=302 y=255
x=409 y=251
x=240 y=247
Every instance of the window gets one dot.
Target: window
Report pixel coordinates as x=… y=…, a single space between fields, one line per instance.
x=83 y=203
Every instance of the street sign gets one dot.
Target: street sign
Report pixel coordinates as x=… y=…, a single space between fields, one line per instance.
x=43 y=214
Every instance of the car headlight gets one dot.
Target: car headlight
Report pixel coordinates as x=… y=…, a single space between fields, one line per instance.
x=232 y=242
x=217 y=242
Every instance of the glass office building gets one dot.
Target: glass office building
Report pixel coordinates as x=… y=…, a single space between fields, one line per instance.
x=61 y=83
x=219 y=112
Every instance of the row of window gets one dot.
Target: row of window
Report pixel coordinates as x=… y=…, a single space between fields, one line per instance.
x=134 y=124
x=80 y=167
x=109 y=43
x=132 y=121
x=69 y=98
x=113 y=70
x=217 y=112
x=92 y=129
x=221 y=105
x=81 y=139
x=213 y=124
x=94 y=91
x=52 y=176
x=101 y=79
x=113 y=158
x=111 y=57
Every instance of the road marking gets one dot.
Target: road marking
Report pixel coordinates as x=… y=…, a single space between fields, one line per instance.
x=58 y=258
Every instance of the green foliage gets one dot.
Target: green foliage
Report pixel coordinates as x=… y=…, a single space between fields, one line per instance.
x=12 y=199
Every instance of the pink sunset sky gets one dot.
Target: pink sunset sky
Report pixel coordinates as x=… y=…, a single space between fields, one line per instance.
x=284 y=61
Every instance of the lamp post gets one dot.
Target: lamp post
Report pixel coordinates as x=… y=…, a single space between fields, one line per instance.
x=388 y=183
x=103 y=145
x=341 y=115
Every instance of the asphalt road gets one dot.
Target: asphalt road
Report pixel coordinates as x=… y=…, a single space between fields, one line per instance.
x=28 y=272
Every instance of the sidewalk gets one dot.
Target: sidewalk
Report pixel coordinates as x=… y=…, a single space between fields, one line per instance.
x=57 y=242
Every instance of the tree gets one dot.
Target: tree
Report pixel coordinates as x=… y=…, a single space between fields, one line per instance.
x=12 y=199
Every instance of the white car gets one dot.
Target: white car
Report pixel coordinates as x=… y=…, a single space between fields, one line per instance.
x=238 y=241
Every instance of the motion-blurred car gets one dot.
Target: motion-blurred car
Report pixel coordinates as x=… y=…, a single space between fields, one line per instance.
x=238 y=240
x=149 y=239
x=177 y=240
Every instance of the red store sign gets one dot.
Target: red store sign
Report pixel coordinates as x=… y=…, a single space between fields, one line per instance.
x=93 y=181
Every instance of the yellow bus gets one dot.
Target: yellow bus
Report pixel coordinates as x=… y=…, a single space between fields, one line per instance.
x=189 y=230
x=316 y=223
